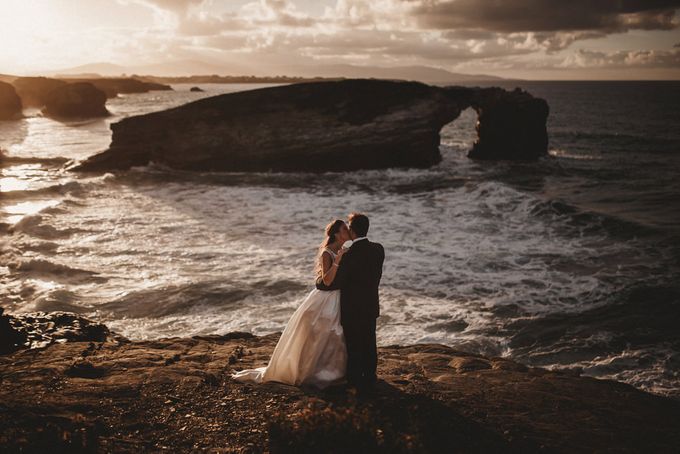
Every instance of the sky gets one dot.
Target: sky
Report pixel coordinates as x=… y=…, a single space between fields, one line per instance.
x=529 y=39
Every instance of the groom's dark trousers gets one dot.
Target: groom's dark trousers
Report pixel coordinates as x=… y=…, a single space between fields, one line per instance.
x=362 y=354
x=358 y=278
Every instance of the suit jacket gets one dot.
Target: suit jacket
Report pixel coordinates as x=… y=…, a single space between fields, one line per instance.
x=358 y=278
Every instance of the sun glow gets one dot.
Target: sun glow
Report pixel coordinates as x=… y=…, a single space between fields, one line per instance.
x=25 y=28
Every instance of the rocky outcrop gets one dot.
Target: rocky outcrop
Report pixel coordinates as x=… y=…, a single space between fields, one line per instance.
x=10 y=103
x=11 y=339
x=39 y=329
x=324 y=126
x=512 y=125
x=109 y=395
x=114 y=86
x=33 y=91
x=77 y=100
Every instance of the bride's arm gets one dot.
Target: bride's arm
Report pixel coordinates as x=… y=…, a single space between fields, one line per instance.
x=329 y=268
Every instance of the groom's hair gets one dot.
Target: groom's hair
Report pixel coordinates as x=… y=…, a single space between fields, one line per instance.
x=358 y=223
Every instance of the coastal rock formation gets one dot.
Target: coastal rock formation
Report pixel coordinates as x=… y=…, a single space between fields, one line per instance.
x=511 y=125
x=114 y=86
x=39 y=329
x=11 y=339
x=324 y=126
x=10 y=103
x=33 y=91
x=77 y=100
x=113 y=395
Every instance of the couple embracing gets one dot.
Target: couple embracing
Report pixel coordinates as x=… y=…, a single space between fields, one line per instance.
x=331 y=336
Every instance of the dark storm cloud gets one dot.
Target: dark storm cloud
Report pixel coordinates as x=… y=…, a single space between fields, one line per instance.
x=549 y=15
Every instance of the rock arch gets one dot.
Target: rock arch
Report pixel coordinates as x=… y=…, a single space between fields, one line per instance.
x=325 y=126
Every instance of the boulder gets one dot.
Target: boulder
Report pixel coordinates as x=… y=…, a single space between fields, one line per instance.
x=10 y=103
x=33 y=91
x=323 y=126
x=77 y=100
x=196 y=89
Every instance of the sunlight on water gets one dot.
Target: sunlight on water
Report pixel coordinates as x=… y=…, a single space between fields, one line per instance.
x=17 y=211
x=13 y=184
x=43 y=284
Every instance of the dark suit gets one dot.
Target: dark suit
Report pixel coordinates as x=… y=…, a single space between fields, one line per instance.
x=358 y=278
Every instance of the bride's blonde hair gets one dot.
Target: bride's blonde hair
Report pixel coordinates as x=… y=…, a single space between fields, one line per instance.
x=331 y=231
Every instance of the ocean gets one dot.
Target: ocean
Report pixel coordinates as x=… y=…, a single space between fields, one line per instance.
x=571 y=262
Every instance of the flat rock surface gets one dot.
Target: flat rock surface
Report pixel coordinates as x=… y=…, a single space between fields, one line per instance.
x=176 y=394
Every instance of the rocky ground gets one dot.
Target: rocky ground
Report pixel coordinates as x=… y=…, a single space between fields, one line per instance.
x=108 y=394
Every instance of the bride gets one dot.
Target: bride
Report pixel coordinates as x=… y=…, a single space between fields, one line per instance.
x=311 y=350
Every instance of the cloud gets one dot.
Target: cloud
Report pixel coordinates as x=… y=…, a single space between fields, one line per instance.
x=455 y=34
x=276 y=12
x=553 y=24
x=549 y=15
x=209 y=25
x=175 y=6
x=623 y=59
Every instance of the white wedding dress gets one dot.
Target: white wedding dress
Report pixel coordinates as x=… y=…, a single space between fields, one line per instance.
x=311 y=350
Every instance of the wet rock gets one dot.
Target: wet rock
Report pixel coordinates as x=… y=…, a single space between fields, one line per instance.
x=467 y=364
x=11 y=339
x=324 y=126
x=33 y=91
x=77 y=100
x=10 y=103
x=502 y=364
x=40 y=329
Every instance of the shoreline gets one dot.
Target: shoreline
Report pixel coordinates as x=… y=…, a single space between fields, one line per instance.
x=100 y=392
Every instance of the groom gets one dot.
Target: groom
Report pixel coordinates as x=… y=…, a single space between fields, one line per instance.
x=358 y=277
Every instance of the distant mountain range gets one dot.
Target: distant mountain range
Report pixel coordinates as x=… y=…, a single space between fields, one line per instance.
x=176 y=68
x=196 y=67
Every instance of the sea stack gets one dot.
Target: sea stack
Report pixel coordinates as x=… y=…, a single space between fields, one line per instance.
x=321 y=126
x=78 y=100
x=116 y=85
x=33 y=91
x=512 y=125
x=10 y=103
